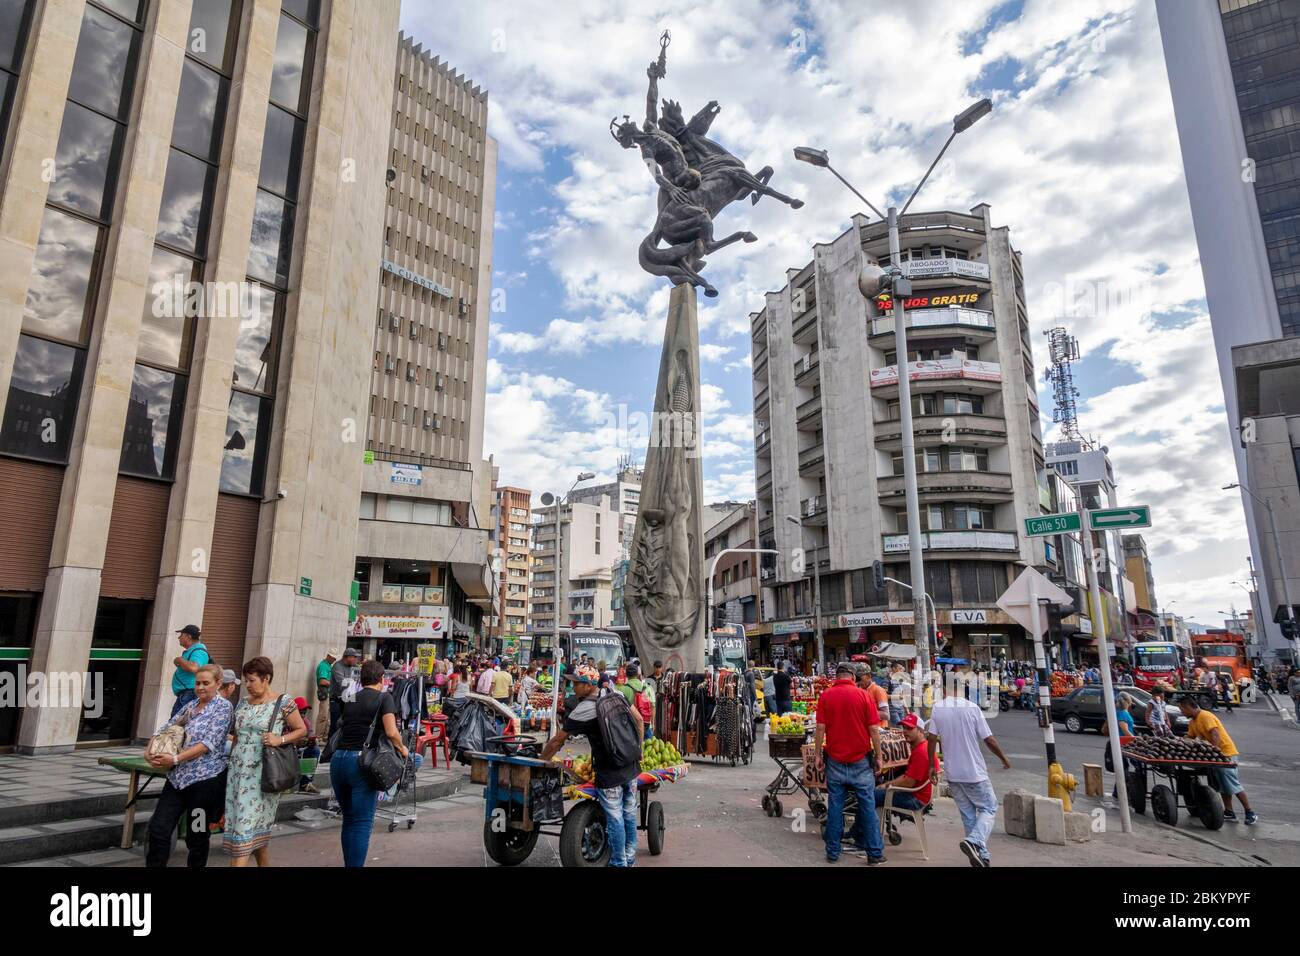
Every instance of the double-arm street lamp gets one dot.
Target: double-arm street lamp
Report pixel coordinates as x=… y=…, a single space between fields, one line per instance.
x=871 y=282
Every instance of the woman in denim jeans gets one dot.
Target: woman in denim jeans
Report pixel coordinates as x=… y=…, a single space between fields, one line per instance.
x=356 y=795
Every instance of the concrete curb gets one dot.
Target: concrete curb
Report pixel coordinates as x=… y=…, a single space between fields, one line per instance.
x=1282 y=712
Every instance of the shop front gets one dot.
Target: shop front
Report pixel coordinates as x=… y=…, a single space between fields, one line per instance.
x=396 y=639
x=865 y=628
x=984 y=636
x=791 y=644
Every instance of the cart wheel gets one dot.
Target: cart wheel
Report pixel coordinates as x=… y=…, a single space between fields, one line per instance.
x=392 y=827
x=818 y=808
x=777 y=809
x=1164 y=805
x=767 y=804
x=894 y=836
x=410 y=824
x=654 y=827
x=1209 y=806
x=511 y=847
x=1137 y=791
x=582 y=838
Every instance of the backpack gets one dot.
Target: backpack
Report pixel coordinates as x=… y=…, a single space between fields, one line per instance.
x=641 y=701
x=618 y=729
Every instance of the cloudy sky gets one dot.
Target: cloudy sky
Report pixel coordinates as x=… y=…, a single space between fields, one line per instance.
x=1080 y=159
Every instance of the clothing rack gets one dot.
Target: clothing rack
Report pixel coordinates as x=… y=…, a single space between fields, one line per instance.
x=412 y=708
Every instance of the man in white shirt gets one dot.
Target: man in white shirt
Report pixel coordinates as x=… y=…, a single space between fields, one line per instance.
x=958 y=725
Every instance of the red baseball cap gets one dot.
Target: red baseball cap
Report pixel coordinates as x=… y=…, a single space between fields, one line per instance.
x=301 y=703
x=910 y=720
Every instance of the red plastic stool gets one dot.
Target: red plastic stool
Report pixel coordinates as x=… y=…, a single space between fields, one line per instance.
x=435 y=732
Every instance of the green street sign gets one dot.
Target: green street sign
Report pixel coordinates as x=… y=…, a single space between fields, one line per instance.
x=1103 y=519
x=304 y=586
x=1052 y=524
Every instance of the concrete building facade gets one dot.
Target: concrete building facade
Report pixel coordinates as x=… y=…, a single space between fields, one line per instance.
x=736 y=586
x=828 y=444
x=423 y=549
x=514 y=525
x=589 y=541
x=184 y=291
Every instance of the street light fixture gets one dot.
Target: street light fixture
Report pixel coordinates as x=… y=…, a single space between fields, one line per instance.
x=817 y=596
x=871 y=281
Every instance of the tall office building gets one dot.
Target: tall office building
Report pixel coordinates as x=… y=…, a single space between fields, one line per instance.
x=1233 y=68
x=581 y=596
x=828 y=445
x=423 y=543
x=622 y=496
x=514 y=528
x=186 y=191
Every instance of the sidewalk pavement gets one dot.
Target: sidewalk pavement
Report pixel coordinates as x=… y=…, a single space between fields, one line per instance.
x=714 y=818
x=1285 y=708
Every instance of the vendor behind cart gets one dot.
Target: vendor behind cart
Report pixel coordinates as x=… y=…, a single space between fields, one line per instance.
x=917 y=776
x=1203 y=725
x=849 y=727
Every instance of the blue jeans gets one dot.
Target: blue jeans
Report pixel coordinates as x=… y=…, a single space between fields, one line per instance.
x=861 y=779
x=357 y=799
x=978 y=805
x=903 y=801
x=183 y=698
x=620 y=806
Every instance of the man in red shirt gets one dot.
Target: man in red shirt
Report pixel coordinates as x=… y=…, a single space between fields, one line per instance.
x=847 y=745
x=918 y=770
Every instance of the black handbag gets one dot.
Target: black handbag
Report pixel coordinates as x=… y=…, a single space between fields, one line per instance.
x=279 y=764
x=379 y=762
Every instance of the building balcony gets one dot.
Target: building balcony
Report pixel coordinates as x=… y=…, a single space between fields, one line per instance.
x=937 y=318
x=813 y=458
x=938 y=224
x=767 y=525
x=803 y=324
x=808 y=415
x=951 y=486
x=763 y=441
x=760 y=359
x=813 y=510
x=980 y=376
x=763 y=484
x=980 y=431
x=760 y=394
x=404 y=540
x=806 y=368
x=1003 y=541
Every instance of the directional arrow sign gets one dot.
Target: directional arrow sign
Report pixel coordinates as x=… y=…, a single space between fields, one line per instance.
x=1137 y=516
x=1052 y=524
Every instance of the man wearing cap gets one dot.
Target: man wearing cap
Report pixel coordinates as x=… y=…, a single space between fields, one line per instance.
x=340 y=674
x=194 y=654
x=324 y=682
x=615 y=782
x=848 y=728
x=879 y=696
x=917 y=774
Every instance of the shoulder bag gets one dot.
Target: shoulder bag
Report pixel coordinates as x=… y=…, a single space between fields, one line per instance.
x=379 y=762
x=279 y=764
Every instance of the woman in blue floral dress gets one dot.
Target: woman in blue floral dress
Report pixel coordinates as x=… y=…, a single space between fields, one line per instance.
x=250 y=813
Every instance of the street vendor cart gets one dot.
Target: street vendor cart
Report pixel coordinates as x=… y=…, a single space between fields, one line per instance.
x=524 y=798
x=1185 y=783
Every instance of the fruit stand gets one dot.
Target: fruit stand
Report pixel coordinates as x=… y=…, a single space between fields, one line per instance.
x=1183 y=763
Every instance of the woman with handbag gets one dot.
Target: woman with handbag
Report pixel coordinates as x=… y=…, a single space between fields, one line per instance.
x=364 y=760
x=196 y=771
x=263 y=763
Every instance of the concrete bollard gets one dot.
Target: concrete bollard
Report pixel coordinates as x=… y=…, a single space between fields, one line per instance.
x=1092 y=782
x=1018 y=814
x=1049 y=820
x=1078 y=827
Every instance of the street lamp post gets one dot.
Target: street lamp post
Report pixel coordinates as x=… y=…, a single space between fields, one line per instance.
x=817 y=596
x=871 y=282
x=713 y=569
x=1277 y=552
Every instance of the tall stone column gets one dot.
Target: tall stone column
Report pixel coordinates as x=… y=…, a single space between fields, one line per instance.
x=665 y=583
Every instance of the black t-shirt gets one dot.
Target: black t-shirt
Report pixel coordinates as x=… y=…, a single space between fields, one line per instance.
x=358 y=714
x=781 y=681
x=580 y=719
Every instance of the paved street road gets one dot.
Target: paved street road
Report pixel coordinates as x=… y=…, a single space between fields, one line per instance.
x=1270 y=770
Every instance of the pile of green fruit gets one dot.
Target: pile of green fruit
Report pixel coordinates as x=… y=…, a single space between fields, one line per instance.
x=656 y=753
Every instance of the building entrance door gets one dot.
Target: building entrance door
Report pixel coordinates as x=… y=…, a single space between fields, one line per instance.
x=116 y=654
x=17 y=625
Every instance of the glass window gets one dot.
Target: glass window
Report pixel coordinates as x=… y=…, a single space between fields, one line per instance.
x=308 y=11
x=255 y=346
x=149 y=443
x=271 y=242
x=281 y=152
x=367 y=511
x=83 y=161
x=13 y=13
x=125 y=8
x=243 y=462
x=59 y=288
x=42 y=402
x=183 y=213
x=400 y=509
x=292 y=47
x=209 y=30
x=102 y=65
x=432 y=512
x=168 y=309
x=199 y=108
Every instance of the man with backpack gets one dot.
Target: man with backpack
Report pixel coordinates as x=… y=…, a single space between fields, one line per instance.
x=640 y=694
x=615 y=730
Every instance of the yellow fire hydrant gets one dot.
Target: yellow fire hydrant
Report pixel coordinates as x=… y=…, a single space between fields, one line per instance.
x=1060 y=784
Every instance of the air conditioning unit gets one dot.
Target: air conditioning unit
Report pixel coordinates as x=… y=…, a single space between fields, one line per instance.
x=410 y=373
x=463 y=305
x=389 y=364
x=394 y=323
x=414 y=331
x=442 y=342
x=437 y=381
x=437 y=422
x=428 y=419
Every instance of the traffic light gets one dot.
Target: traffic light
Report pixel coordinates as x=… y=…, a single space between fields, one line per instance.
x=878 y=574
x=719 y=615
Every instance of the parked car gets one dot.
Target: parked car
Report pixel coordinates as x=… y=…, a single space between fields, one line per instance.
x=1082 y=709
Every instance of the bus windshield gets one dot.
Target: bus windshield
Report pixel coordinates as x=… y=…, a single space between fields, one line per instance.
x=1162 y=657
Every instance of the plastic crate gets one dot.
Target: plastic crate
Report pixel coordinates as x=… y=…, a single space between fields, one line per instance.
x=786 y=746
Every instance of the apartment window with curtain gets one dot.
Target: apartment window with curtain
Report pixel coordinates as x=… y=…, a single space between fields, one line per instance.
x=252 y=397
x=164 y=353
x=15 y=18
x=66 y=273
